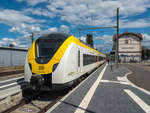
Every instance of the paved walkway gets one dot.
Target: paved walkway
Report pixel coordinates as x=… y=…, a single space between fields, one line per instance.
x=105 y=91
x=140 y=75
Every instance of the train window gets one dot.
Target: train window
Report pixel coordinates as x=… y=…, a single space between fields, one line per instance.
x=89 y=59
x=47 y=49
x=48 y=44
x=78 y=58
x=100 y=58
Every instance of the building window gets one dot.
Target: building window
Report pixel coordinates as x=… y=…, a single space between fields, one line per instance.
x=126 y=42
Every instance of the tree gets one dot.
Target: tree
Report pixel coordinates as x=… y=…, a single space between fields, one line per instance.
x=11 y=45
x=145 y=53
x=89 y=39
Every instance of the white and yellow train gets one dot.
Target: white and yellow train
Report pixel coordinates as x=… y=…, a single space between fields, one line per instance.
x=56 y=61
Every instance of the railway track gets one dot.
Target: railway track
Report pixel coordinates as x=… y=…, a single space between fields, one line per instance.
x=12 y=72
x=10 y=91
x=40 y=102
x=30 y=96
x=32 y=103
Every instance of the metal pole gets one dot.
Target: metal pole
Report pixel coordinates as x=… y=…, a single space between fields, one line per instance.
x=32 y=37
x=117 y=39
x=111 y=63
x=145 y=53
x=11 y=61
x=79 y=34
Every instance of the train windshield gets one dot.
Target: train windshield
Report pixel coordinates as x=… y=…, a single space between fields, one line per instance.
x=47 y=49
x=47 y=45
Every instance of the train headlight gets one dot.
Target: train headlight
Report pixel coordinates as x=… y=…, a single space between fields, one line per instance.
x=55 y=66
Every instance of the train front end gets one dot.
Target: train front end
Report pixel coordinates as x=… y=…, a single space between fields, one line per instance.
x=42 y=59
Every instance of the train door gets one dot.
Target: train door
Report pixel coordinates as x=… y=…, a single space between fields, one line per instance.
x=79 y=61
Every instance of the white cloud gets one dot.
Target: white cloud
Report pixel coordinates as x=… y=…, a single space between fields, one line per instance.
x=107 y=44
x=139 y=23
x=2 y=43
x=50 y=30
x=39 y=11
x=103 y=43
x=25 y=29
x=146 y=40
x=19 y=42
x=35 y=29
x=13 y=17
x=95 y=12
x=53 y=29
x=24 y=41
x=146 y=37
x=32 y=2
x=19 y=22
x=83 y=38
x=64 y=29
x=105 y=38
x=6 y=41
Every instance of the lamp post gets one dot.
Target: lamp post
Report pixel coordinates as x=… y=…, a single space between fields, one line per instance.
x=117 y=39
x=32 y=37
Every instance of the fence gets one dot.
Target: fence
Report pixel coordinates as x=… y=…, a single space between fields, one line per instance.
x=12 y=56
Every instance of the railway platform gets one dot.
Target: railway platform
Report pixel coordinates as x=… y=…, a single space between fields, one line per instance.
x=106 y=90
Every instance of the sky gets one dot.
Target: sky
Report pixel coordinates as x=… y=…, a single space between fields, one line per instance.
x=19 y=18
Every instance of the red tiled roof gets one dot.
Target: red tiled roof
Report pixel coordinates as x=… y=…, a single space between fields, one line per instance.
x=139 y=35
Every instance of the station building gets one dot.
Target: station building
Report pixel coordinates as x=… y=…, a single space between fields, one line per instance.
x=129 y=49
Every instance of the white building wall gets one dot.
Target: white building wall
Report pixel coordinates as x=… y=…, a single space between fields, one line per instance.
x=130 y=48
x=133 y=44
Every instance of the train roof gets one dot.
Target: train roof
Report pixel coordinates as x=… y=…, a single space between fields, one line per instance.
x=61 y=37
x=89 y=47
x=56 y=36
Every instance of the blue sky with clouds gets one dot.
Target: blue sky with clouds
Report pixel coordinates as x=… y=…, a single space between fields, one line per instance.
x=19 y=18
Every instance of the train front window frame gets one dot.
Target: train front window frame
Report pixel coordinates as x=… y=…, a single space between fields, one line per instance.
x=47 y=49
x=54 y=41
